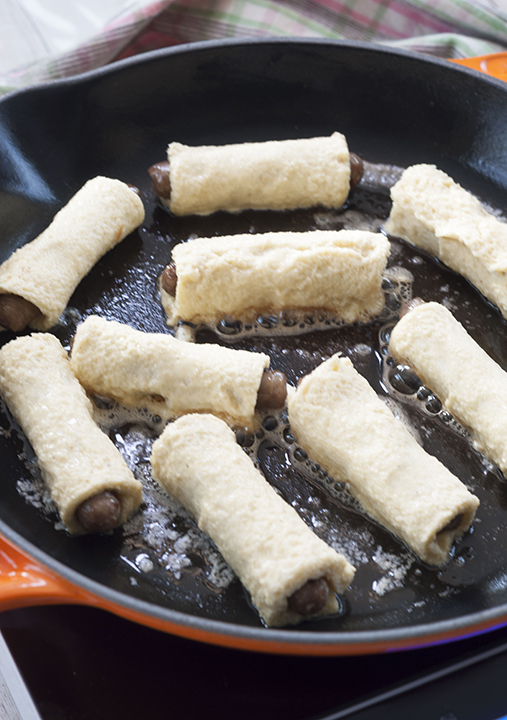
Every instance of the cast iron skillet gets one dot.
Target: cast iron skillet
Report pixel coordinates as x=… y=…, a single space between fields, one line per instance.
x=395 y=108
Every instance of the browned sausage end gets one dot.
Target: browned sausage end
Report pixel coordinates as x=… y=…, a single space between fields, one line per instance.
x=310 y=599
x=16 y=312
x=161 y=179
x=99 y=513
x=272 y=391
x=169 y=279
x=356 y=169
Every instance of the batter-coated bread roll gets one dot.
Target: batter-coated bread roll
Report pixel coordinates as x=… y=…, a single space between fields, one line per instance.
x=170 y=377
x=47 y=270
x=470 y=384
x=433 y=212
x=342 y=423
x=77 y=460
x=273 y=175
x=243 y=275
x=267 y=544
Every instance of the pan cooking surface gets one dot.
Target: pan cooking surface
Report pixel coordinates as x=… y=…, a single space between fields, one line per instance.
x=160 y=556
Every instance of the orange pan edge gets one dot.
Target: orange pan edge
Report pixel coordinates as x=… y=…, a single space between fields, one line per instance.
x=24 y=582
x=494 y=64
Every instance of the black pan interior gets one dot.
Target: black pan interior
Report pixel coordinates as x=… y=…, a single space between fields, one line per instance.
x=395 y=108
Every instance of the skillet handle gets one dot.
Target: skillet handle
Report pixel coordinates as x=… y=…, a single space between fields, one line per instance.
x=23 y=582
x=494 y=65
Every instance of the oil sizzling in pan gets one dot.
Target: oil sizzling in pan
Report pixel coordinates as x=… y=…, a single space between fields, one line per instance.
x=160 y=555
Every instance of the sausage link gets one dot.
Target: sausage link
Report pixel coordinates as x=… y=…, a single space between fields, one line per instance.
x=169 y=279
x=161 y=179
x=16 y=312
x=272 y=391
x=310 y=599
x=356 y=169
x=99 y=513
x=161 y=175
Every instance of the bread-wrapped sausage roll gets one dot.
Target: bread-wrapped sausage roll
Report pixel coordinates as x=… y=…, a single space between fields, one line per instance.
x=433 y=212
x=88 y=479
x=167 y=376
x=470 y=384
x=37 y=281
x=273 y=175
x=342 y=423
x=243 y=275
x=289 y=572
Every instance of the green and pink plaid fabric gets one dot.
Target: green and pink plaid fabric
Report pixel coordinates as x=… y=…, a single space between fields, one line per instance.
x=444 y=28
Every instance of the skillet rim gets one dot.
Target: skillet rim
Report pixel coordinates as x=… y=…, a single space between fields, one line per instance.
x=395 y=637
x=197 y=46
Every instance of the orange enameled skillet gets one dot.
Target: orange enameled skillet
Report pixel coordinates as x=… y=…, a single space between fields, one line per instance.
x=396 y=108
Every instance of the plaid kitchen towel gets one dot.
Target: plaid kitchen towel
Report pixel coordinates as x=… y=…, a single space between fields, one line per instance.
x=444 y=28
